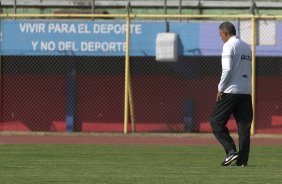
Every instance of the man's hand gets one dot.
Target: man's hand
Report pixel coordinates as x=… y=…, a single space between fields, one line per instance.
x=218 y=96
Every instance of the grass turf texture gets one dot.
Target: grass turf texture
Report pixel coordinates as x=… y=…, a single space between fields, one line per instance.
x=128 y=164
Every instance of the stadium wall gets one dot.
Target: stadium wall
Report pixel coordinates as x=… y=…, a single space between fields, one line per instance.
x=42 y=88
x=34 y=97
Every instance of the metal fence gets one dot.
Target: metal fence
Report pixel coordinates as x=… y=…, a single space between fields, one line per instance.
x=99 y=73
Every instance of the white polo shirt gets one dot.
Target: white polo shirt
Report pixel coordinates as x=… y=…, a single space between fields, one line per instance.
x=236 y=61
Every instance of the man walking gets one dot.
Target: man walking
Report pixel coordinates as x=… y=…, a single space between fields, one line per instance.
x=234 y=96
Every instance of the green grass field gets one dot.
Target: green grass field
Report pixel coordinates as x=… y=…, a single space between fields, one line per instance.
x=128 y=164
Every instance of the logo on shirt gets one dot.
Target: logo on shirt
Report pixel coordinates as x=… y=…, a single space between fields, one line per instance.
x=245 y=57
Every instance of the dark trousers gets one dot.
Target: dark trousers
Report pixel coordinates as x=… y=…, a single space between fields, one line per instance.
x=240 y=105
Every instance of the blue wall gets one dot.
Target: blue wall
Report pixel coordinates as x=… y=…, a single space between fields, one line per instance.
x=107 y=38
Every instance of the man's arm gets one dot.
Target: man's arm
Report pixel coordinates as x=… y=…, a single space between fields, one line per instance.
x=226 y=63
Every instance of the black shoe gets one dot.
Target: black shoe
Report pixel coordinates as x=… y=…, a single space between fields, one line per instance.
x=229 y=158
x=239 y=165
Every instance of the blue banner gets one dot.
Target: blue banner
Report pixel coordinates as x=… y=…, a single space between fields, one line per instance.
x=94 y=38
x=108 y=38
x=98 y=38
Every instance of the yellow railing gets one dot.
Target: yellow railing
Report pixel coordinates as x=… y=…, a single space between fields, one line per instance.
x=144 y=16
x=253 y=72
x=128 y=94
